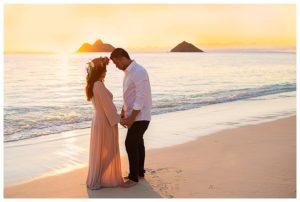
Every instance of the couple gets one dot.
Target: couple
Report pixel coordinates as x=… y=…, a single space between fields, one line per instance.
x=104 y=161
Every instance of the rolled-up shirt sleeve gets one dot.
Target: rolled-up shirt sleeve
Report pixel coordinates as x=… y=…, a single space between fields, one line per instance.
x=141 y=81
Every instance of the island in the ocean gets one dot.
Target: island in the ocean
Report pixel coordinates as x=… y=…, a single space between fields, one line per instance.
x=98 y=46
x=186 y=47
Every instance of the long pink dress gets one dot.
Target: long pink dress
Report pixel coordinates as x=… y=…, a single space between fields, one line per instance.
x=104 y=160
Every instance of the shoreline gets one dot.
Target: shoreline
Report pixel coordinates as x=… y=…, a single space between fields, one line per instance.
x=249 y=161
x=69 y=150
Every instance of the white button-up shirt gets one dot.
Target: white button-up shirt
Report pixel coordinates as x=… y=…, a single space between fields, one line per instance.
x=137 y=92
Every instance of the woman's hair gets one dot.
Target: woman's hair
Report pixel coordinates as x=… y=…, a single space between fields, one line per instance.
x=95 y=69
x=118 y=53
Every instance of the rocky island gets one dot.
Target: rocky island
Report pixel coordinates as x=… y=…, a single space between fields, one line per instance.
x=186 y=47
x=98 y=46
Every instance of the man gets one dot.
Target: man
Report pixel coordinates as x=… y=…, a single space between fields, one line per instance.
x=136 y=111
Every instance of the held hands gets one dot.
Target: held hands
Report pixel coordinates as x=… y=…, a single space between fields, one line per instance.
x=127 y=123
x=122 y=119
x=122 y=123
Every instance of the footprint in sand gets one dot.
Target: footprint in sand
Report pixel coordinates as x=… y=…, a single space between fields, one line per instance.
x=160 y=180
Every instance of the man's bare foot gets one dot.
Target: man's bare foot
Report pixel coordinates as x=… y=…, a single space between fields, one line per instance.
x=127 y=178
x=129 y=183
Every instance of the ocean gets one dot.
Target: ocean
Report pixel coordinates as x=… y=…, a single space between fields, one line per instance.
x=44 y=94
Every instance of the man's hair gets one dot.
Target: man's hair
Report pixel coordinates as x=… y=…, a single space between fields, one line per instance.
x=118 y=53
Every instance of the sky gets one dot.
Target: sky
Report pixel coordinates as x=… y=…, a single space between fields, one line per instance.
x=63 y=28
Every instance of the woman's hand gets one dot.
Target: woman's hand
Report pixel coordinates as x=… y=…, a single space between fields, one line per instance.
x=122 y=114
x=128 y=122
x=122 y=122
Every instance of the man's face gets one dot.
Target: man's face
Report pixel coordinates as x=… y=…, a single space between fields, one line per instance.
x=118 y=62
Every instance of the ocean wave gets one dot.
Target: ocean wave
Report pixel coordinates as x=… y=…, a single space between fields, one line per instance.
x=222 y=96
x=29 y=122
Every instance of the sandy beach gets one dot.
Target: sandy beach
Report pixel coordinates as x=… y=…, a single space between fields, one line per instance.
x=254 y=161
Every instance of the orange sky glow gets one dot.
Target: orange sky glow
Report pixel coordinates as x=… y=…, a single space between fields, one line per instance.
x=62 y=28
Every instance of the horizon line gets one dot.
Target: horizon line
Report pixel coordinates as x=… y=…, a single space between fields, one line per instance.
x=162 y=51
x=205 y=48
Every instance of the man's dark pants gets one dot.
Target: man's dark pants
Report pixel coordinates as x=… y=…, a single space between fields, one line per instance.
x=136 y=149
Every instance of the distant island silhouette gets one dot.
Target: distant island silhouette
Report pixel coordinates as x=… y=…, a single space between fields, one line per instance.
x=186 y=47
x=98 y=46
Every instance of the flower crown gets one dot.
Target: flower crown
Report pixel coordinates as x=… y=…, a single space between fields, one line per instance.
x=91 y=65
